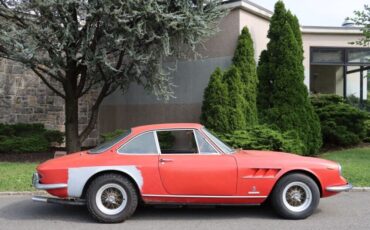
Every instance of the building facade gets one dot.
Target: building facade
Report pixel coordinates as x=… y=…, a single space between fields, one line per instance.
x=332 y=65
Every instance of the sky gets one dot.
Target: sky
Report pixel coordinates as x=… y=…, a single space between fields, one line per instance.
x=318 y=12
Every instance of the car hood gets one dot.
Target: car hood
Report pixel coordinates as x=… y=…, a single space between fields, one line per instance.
x=281 y=158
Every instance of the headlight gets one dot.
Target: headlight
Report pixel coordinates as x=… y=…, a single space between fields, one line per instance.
x=340 y=169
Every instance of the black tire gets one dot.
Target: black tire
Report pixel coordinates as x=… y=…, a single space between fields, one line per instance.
x=98 y=184
x=295 y=207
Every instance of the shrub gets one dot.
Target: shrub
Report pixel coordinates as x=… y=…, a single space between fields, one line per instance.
x=214 y=112
x=342 y=124
x=236 y=105
x=54 y=136
x=24 y=144
x=367 y=130
x=111 y=135
x=27 y=138
x=244 y=61
x=264 y=138
x=284 y=101
x=230 y=98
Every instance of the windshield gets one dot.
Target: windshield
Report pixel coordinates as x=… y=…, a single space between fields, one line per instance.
x=107 y=145
x=224 y=147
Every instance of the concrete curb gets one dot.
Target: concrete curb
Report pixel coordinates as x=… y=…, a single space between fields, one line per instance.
x=360 y=189
x=35 y=193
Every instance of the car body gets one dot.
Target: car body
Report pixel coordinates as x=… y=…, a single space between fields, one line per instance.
x=157 y=166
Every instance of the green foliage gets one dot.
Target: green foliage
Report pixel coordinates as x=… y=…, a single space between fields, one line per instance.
x=342 y=124
x=108 y=136
x=214 y=108
x=264 y=138
x=264 y=86
x=166 y=139
x=24 y=144
x=367 y=130
x=362 y=20
x=27 y=138
x=230 y=98
x=284 y=101
x=54 y=136
x=244 y=61
x=236 y=105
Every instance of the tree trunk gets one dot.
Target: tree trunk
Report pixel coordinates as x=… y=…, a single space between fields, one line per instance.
x=73 y=143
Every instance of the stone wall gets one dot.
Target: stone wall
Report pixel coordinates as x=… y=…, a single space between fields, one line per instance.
x=24 y=98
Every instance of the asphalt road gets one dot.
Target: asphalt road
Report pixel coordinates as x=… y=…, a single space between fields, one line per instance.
x=345 y=211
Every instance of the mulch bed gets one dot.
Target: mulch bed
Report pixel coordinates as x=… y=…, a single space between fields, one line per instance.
x=26 y=157
x=336 y=148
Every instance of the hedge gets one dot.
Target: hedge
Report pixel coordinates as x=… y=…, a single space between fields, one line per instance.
x=342 y=124
x=262 y=137
x=22 y=137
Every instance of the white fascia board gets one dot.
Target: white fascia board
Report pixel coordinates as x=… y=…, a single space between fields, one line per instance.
x=250 y=8
x=331 y=30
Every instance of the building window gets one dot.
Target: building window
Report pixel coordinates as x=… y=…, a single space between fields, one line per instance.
x=341 y=71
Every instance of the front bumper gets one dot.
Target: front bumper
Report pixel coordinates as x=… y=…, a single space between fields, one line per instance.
x=36 y=183
x=340 y=188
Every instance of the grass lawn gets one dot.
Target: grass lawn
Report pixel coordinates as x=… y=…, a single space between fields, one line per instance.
x=16 y=176
x=355 y=164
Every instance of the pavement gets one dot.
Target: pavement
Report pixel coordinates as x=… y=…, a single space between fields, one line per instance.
x=345 y=211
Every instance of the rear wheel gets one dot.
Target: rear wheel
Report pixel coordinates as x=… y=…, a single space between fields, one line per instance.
x=111 y=198
x=295 y=196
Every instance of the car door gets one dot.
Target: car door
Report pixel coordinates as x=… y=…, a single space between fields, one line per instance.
x=190 y=165
x=142 y=153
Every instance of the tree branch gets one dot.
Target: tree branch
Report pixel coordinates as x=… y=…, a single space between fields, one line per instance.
x=45 y=70
x=94 y=112
x=47 y=83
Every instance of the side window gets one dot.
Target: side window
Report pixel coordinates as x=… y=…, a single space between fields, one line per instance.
x=142 y=144
x=177 y=142
x=203 y=145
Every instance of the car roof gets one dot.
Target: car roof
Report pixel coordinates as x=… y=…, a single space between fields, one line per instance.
x=144 y=128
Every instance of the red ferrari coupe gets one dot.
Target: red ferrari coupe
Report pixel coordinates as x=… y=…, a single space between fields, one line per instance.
x=185 y=164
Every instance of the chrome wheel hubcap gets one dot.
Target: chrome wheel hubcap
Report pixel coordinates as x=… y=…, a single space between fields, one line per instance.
x=111 y=199
x=297 y=196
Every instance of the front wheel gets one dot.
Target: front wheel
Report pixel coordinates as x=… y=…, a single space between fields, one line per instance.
x=111 y=198
x=295 y=196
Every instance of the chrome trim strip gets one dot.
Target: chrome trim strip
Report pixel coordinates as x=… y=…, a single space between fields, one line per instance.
x=201 y=196
x=254 y=193
x=49 y=186
x=157 y=142
x=340 y=188
x=37 y=185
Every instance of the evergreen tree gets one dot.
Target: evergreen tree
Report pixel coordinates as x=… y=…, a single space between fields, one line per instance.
x=286 y=103
x=244 y=60
x=264 y=85
x=236 y=105
x=294 y=24
x=214 y=109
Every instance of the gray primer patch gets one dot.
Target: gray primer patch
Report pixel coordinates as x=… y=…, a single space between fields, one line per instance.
x=77 y=177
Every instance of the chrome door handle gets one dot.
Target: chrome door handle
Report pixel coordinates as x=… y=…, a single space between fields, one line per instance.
x=164 y=160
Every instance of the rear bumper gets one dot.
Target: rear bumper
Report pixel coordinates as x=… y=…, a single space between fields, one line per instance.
x=37 y=185
x=339 y=188
x=52 y=200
